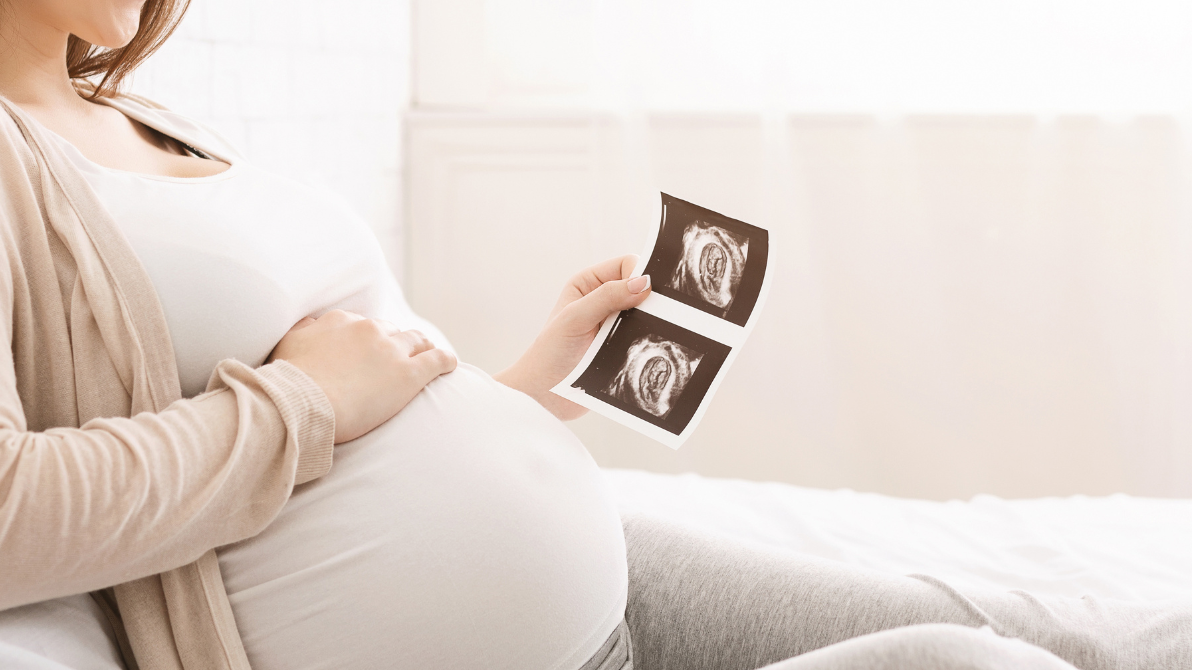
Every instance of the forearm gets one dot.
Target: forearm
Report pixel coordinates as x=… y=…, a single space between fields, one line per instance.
x=524 y=376
x=591 y=297
x=122 y=498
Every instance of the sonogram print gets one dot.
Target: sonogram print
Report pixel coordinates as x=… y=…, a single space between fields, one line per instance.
x=711 y=264
x=708 y=261
x=654 y=375
x=655 y=367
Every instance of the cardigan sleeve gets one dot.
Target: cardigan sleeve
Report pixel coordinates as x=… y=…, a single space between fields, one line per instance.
x=122 y=498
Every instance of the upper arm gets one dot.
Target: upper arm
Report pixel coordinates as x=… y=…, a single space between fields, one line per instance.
x=12 y=415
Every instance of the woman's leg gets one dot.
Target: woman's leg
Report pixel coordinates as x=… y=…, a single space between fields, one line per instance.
x=927 y=647
x=698 y=601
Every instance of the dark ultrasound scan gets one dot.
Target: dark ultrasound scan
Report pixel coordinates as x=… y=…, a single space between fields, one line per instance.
x=654 y=374
x=708 y=261
x=711 y=264
x=653 y=369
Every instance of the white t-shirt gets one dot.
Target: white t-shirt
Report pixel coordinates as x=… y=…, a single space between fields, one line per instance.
x=472 y=530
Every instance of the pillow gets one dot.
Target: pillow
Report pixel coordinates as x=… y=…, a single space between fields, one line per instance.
x=65 y=633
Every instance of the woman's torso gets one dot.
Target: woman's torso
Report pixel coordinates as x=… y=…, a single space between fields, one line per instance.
x=471 y=530
x=238 y=257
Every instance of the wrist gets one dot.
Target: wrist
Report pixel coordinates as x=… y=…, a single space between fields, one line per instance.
x=516 y=378
x=520 y=378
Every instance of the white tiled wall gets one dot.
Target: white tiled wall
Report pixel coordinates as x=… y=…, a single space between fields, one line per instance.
x=312 y=89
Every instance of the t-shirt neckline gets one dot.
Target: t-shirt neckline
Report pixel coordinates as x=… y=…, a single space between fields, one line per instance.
x=156 y=123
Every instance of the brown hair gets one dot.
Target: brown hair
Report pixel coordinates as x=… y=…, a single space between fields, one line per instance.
x=159 y=18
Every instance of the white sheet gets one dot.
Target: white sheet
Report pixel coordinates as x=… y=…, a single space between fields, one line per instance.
x=1118 y=546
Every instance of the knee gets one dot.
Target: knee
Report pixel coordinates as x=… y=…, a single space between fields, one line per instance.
x=948 y=646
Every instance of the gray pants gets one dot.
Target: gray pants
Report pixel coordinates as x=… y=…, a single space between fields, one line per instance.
x=700 y=602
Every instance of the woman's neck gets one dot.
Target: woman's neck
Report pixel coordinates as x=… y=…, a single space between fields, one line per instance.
x=33 y=72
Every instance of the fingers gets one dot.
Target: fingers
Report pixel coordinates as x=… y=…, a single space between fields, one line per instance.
x=628 y=263
x=389 y=327
x=638 y=284
x=415 y=340
x=338 y=317
x=432 y=363
x=611 y=270
x=412 y=343
x=590 y=311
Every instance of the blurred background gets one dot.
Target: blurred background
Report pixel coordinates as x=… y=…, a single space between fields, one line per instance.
x=981 y=211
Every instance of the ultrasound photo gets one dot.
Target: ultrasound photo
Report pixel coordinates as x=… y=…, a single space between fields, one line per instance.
x=654 y=374
x=708 y=261
x=711 y=264
x=653 y=369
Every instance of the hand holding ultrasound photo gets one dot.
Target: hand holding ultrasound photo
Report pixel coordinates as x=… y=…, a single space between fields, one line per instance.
x=655 y=368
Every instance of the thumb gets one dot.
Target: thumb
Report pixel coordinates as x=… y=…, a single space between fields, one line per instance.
x=587 y=313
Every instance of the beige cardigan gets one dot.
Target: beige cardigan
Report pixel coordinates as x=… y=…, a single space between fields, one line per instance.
x=90 y=498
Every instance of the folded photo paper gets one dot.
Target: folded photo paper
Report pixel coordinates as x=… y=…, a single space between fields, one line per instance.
x=655 y=368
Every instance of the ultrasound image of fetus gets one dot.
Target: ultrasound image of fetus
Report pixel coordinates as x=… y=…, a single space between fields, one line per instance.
x=654 y=374
x=711 y=264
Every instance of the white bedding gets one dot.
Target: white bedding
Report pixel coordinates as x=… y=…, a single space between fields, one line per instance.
x=1117 y=546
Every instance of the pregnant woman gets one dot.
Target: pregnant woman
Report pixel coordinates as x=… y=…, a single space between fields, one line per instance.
x=226 y=442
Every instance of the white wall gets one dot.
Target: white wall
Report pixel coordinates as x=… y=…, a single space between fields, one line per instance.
x=962 y=305
x=313 y=89
x=981 y=302
x=998 y=304
x=857 y=56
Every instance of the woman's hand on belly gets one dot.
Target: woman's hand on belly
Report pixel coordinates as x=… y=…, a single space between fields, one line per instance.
x=368 y=369
x=587 y=300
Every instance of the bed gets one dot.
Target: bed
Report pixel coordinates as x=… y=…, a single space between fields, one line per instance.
x=1118 y=546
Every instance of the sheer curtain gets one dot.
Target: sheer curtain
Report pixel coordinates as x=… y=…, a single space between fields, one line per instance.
x=983 y=212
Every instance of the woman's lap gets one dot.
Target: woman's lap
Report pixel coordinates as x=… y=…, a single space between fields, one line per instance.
x=927 y=647
x=697 y=601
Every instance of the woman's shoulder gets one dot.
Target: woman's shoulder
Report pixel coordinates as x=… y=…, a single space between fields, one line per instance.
x=19 y=172
x=14 y=145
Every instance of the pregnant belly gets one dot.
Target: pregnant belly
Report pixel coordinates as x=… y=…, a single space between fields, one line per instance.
x=472 y=530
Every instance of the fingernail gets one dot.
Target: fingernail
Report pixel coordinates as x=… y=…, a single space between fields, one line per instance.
x=638 y=284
